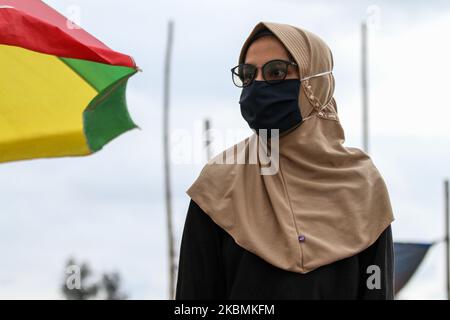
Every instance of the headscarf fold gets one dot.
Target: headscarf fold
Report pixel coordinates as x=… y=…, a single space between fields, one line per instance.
x=326 y=201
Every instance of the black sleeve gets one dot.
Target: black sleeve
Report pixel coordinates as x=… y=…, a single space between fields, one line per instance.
x=200 y=270
x=377 y=269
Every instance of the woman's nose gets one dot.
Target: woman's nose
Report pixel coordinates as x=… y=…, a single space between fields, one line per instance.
x=259 y=75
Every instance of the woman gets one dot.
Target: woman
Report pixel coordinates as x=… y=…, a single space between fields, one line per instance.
x=317 y=227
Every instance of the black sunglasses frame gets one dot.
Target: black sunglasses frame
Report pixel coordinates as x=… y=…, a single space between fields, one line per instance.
x=271 y=82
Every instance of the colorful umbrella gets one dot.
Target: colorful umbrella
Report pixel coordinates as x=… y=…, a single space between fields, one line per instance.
x=62 y=91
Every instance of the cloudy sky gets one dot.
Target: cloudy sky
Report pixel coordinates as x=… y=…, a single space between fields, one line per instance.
x=108 y=208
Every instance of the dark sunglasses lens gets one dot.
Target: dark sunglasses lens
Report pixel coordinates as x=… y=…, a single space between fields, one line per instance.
x=243 y=75
x=275 y=71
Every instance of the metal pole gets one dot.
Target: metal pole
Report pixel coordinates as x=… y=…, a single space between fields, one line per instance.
x=168 y=195
x=447 y=232
x=207 y=127
x=364 y=83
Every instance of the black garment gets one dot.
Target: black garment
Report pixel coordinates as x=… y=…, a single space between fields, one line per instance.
x=213 y=266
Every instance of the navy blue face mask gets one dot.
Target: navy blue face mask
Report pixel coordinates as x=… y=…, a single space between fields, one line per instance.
x=266 y=106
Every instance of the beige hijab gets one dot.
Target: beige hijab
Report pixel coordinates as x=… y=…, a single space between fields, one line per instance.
x=325 y=203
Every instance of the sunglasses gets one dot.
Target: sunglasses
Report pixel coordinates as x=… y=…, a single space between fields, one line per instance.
x=273 y=71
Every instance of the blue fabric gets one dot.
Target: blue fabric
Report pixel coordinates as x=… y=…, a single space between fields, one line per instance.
x=408 y=257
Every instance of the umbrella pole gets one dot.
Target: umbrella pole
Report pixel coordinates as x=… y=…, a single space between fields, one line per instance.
x=364 y=86
x=168 y=195
x=447 y=231
x=207 y=137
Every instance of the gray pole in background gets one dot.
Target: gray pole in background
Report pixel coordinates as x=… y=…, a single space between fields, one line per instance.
x=168 y=195
x=365 y=93
x=207 y=137
x=447 y=232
